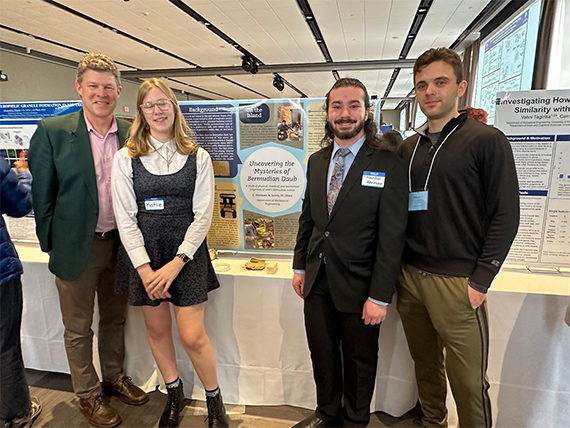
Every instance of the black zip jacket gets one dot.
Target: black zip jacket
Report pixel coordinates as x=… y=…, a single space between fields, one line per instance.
x=473 y=202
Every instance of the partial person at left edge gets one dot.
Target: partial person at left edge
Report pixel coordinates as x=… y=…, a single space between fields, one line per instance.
x=16 y=407
x=70 y=157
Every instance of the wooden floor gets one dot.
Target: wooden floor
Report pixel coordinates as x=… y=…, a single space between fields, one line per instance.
x=60 y=409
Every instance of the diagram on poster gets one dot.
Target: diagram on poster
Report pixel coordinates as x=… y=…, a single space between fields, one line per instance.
x=18 y=122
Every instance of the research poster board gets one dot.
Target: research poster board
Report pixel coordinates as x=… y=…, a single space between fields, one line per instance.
x=537 y=123
x=259 y=149
x=18 y=122
x=506 y=59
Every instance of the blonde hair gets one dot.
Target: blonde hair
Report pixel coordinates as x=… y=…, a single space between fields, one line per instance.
x=97 y=62
x=138 y=142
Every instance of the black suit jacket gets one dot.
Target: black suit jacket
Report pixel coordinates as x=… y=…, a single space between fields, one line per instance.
x=362 y=241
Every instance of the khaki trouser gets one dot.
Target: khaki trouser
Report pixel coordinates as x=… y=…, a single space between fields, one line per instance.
x=77 y=299
x=436 y=314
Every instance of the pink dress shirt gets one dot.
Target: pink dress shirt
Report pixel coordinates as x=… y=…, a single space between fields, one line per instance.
x=104 y=149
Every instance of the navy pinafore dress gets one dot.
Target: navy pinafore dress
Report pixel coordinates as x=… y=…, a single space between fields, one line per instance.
x=163 y=231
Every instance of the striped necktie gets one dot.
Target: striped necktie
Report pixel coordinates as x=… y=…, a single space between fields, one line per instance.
x=337 y=178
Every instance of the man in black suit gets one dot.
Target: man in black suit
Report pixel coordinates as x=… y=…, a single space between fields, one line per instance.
x=347 y=257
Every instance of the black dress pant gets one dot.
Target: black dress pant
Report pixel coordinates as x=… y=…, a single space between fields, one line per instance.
x=348 y=375
x=14 y=395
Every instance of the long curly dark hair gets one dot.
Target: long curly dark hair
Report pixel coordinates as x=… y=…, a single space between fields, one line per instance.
x=370 y=126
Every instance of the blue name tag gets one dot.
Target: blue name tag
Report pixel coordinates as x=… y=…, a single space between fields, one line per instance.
x=373 y=179
x=418 y=201
x=154 y=204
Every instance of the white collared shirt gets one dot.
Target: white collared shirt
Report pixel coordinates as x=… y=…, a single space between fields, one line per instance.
x=125 y=203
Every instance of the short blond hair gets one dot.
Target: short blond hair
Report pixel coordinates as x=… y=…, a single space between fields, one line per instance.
x=97 y=62
x=138 y=141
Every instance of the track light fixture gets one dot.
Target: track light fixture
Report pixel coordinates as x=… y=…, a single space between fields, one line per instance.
x=248 y=64
x=278 y=83
x=3 y=76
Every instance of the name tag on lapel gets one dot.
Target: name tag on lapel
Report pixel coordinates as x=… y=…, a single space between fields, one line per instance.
x=154 y=204
x=373 y=179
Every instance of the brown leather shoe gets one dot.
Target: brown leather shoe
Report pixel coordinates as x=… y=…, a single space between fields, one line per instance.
x=127 y=392
x=99 y=412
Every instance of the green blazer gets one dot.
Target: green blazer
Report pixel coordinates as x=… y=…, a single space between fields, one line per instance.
x=64 y=190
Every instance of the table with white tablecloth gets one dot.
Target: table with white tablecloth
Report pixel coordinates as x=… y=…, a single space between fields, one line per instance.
x=255 y=321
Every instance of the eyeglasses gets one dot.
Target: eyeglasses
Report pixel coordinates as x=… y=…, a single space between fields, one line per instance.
x=163 y=105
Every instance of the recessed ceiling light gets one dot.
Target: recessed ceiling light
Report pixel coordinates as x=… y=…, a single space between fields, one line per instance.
x=394 y=37
x=146 y=13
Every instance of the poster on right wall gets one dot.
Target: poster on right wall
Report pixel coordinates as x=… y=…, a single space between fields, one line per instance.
x=537 y=124
x=506 y=59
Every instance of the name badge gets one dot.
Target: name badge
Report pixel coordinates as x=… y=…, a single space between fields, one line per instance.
x=418 y=201
x=373 y=179
x=154 y=204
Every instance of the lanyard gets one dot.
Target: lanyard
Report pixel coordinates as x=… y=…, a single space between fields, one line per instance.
x=432 y=159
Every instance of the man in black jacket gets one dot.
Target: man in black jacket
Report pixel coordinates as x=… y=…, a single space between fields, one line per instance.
x=347 y=256
x=463 y=217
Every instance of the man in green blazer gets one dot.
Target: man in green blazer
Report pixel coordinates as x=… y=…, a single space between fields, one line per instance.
x=70 y=158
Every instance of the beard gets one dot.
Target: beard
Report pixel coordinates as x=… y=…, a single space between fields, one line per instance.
x=346 y=135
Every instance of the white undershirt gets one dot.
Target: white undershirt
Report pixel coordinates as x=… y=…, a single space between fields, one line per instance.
x=125 y=204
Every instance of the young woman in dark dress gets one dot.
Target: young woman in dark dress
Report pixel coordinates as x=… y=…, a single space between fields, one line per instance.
x=163 y=193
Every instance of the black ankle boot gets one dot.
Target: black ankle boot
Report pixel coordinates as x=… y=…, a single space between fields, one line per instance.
x=171 y=416
x=217 y=417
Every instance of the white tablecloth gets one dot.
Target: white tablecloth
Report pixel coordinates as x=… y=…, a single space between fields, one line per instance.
x=255 y=322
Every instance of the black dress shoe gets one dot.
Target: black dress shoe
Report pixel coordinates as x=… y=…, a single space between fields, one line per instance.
x=171 y=416
x=217 y=417
x=310 y=422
